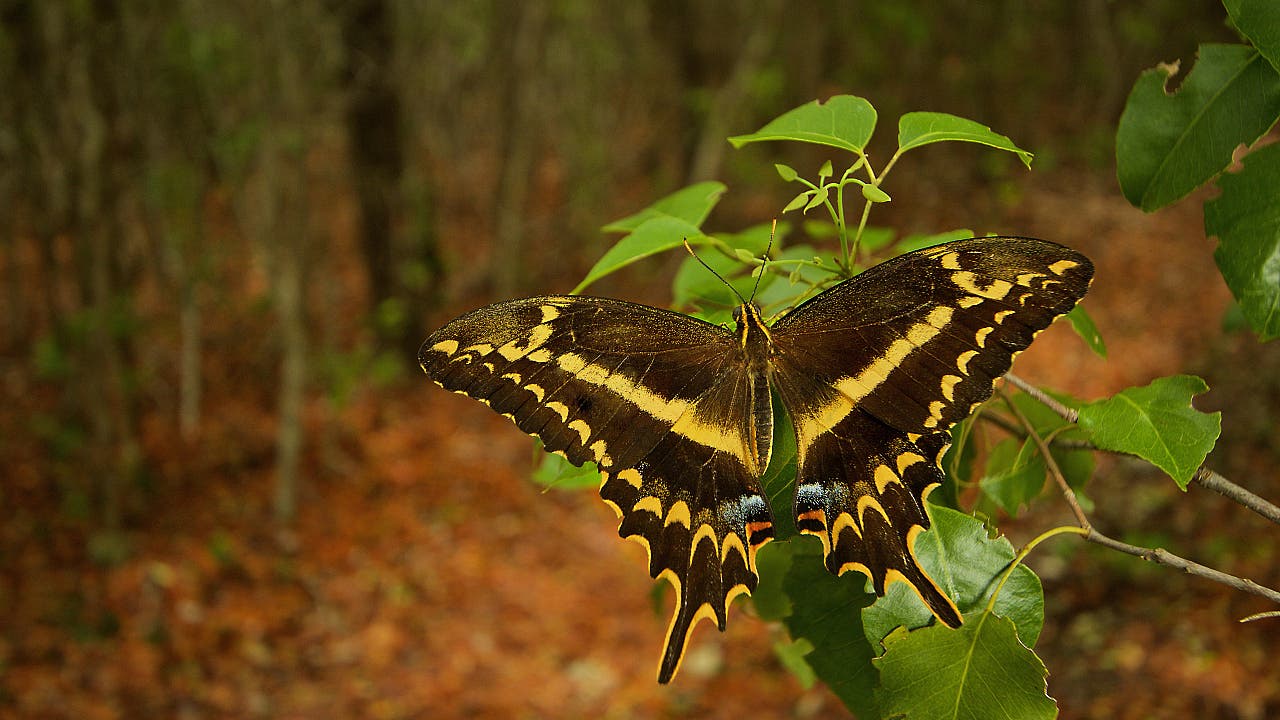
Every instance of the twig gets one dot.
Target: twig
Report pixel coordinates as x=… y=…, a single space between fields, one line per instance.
x=1067 y=493
x=1012 y=429
x=1068 y=414
x=1157 y=555
x=1261 y=616
x=1164 y=557
x=1204 y=476
x=1211 y=480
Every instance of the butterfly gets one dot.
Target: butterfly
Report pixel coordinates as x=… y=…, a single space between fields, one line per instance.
x=677 y=413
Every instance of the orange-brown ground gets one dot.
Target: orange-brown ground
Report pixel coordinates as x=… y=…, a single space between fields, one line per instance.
x=426 y=577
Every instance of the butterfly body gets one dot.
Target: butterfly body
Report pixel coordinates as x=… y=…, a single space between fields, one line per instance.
x=677 y=413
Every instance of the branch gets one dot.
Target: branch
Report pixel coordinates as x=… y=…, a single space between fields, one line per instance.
x=1157 y=555
x=1068 y=414
x=1211 y=480
x=1204 y=476
x=1164 y=557
x=1067 y=493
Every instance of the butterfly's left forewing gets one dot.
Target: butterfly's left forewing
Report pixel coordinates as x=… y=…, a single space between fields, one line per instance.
x=665 y=407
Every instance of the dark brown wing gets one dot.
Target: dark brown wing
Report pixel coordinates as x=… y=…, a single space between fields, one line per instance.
x=661 y=402
x=875 y=371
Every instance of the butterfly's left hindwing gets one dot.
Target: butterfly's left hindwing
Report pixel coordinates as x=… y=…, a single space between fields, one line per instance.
x=661 y=402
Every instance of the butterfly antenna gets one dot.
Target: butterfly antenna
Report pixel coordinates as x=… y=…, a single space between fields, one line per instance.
x=713 y=272
x=764 y=261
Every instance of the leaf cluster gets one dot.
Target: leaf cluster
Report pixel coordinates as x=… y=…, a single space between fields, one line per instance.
x=1171 y=142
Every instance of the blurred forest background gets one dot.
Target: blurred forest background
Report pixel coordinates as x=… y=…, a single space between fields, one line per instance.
x=226 y=226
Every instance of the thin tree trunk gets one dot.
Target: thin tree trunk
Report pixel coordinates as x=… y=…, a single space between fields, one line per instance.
x=375 y=145
x=728 y=102
x=522 y=131
x=190 y=387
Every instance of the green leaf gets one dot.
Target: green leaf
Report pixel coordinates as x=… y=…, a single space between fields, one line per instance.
x=966 y=563
x=798 y=201
x=1246 y=220
x=1168 y=145
x=786 y=172
x=779 y=479
x=773 y=562
x=1014 y=474
x=819 y=197
x=1084 y=326
x=691 y=204
x=976 y=672
x=791 y=655
x=554 y=471
x=655 y=235
x=874 y=194
x=825 y=613
x=922 y=128
x=1156 y=423
x=844 y=121
x=1258 y=20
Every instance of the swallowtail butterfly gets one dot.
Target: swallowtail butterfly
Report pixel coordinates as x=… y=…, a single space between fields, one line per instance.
x=677 y=413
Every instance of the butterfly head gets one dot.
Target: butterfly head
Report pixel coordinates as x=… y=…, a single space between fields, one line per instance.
x=750 y=324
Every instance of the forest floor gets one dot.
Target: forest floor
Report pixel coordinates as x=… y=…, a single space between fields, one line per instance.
x=427 y=577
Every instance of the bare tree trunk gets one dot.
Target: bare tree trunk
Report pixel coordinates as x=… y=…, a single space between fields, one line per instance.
x=522 y=130
x=375 y=145
x=93 y=91
x=729 y=100
x=190 y=385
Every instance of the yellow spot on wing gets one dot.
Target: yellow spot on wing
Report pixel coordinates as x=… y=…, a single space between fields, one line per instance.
x=907 y=459
x=866 y=501
x=448 y=347
x=1000 y=316
x=949 y=383
x=981 y=336
x=538 y=336
x=549 y=313
x=843 y=521
x=582 y=428
x=885 y=476
x=962 y=362
x=1062 y=266
x=538 y=392
x=969 y=301
x=950 y=261
x=968 y=282
x=648 y=503
x=631 y=476
x=705 y=532
x=558 y=408
x=679 y=513
x=513 y=377
x=733 y=542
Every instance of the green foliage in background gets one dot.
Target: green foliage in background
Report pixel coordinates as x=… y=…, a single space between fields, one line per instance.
x=1170 y=143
